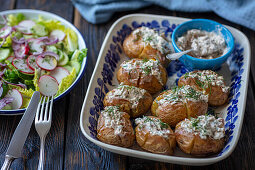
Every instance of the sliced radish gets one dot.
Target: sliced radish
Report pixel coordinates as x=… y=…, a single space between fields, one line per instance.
x=48 y=85
x=17 y=98
x=25 y=26
x=31 y=62
x=58 y=34
x=59 y=73
x=36 y=46
x=21 y=65
x=5 y=31
x=10 y=58
x=47 y=63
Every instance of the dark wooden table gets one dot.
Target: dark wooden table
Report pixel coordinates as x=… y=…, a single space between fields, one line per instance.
x=67 y=148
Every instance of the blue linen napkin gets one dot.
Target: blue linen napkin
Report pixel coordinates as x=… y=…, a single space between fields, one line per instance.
x=238 y=11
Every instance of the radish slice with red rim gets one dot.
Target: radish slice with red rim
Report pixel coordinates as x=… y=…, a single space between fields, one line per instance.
x=59 y=73
x=5 y=31
x=17 y=98
x=60 y=35
x=31 y=62
x=25 y=26
x=48 y=85
x=21 y=65
x=36 y=46
x=10 y=58
x=47 y=63
x=50 y=53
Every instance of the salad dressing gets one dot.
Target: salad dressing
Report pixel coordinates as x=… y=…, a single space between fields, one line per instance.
x=183 y=94
x=130 y=93
x=154 y=126
x=207 y=78
x=152 y=38
x=205 y=126
x=147 y=67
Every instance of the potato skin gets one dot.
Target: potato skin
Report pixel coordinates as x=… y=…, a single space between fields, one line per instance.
x=142 y=107
x=139 y=79
x=194 y=145
x=174 y=113
x=155 y=143
x=106 y=134
x=135 y=48
x=216 y=96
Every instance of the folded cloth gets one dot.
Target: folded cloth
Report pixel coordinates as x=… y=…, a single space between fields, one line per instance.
x=238 y=11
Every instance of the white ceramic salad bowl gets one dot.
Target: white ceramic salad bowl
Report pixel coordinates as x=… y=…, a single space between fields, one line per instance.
x=33 y=14
x=235 y=71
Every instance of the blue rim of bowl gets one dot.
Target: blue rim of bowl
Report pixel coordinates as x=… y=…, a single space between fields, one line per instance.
x=78 y=78
x=230 y=50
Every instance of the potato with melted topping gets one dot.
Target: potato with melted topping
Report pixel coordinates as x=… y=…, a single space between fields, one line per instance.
x=175 y=105
x=147 y=43
x=147 y=74
x=114 y=127
x=155 y=136
x=133 y=100
x=202 y=136
x=210 y=83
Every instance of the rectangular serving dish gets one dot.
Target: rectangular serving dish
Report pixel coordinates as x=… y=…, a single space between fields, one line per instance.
x=235 y=71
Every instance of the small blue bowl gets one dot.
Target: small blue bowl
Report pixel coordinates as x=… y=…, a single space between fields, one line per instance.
x=207 y=25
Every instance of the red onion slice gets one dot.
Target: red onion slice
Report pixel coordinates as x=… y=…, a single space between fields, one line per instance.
x=5 y=31
x=5 y=101
x=20 y=41
x=50 y=54
x=2 y=73
x=3 y=65
x=48 y=41
x=4 y=20
x=1 y=90
x=22 y=51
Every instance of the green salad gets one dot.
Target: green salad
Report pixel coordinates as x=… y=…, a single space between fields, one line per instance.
x=36 y=55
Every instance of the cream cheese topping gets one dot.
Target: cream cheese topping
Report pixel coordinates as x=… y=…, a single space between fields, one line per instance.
x=113 y=119
x=205 y=126
x=207 y=78
x=154 y=126
x=152 y=38
x=131 y=93
x=183 y=94
x=207 y=45
x=147 y=66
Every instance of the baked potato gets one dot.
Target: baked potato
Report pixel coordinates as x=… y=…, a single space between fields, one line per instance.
x=147 y=74
x=154 y=136
x=144 y=42
x=174 y=105
x=202 y=136
x=114 y=127
x=210 y=83
x=133 y=100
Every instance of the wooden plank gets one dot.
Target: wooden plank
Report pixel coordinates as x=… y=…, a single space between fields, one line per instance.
x=79 y=152
x=55 y=139
x=7 y=5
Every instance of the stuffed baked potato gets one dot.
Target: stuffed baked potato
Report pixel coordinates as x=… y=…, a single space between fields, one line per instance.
x=174 y=105
x=133 y=100
x=201 y=136
x=147 y=74
x=154 y=136
x=114 y=127
x=147 y=43
x=210 y=83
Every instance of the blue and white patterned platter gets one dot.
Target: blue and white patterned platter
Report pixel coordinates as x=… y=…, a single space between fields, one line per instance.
x=235 y=71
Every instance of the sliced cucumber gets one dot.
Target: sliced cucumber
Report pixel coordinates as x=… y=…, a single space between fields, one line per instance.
x=52 y=48
x=39 y=30
x=63 y=60
x=68 y=67
x=76 y=65
x=4 y=53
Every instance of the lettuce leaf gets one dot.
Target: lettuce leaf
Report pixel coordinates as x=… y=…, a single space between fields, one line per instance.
x=15 y=19
x=66 y=82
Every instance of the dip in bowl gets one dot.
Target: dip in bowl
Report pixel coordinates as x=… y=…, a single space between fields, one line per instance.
x=212 y=43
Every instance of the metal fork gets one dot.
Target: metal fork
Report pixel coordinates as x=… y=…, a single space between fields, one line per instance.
x=43 y=124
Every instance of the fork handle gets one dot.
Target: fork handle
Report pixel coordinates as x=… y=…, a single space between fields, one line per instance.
x=7 y=162
x=41 y=160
